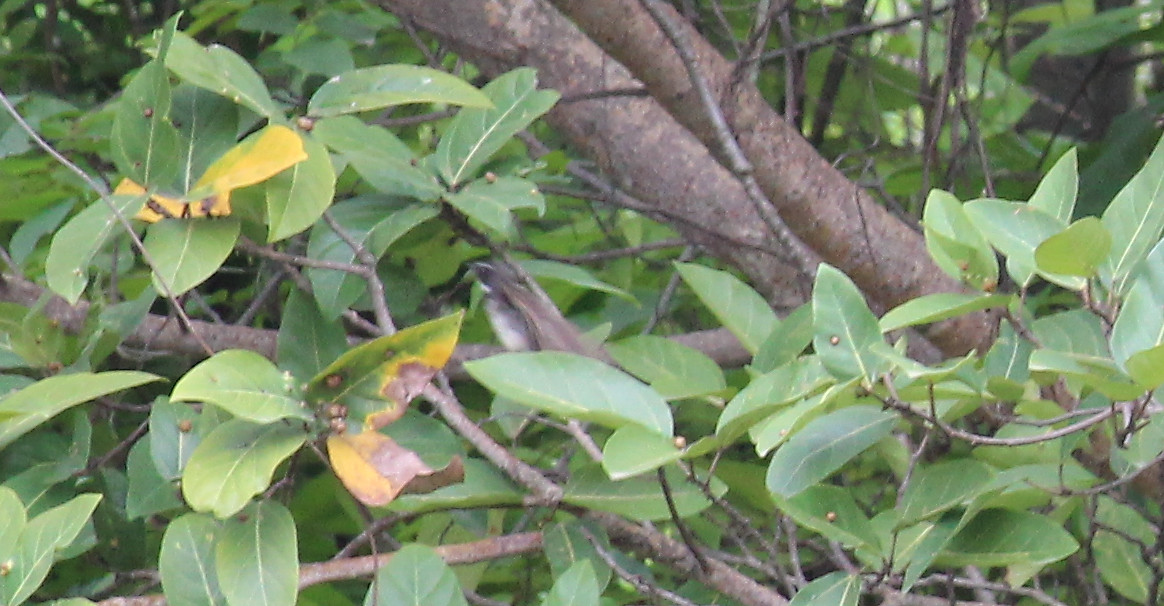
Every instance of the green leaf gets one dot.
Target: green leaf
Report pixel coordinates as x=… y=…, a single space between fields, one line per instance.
x=1135 y=220
x=221 y=71
x=955 y=243
x=148 y=491
x=14 y=516
x=632 y=450
x=565 y=545
x=1056 y=192
x=378 y=87
x=492 y=201
x=574 y=387
x=739 y=308
x=786 y=341
x=176 y=429
x=845 y=331
x=235 y=462
x=937 y=307
x=187 y=251
x=578 y=586
x=79 y=240
x=1016 y=229
x=572 y=274
x=937 y=488
x=307 y=342
x=475 y=134
x=43 y=536
x=672 y=369
x=416 y=575
x=246 y=385
x=824 y=445
x=209 y=127
x=483 y=486
x=373 y=222
x=1078 y=250
x=297 y=197
x=832 y=512
x=257 y=557
x=1120 y=561
x=187 y=564
x=798 y=379
x=143 y=140
x=22 y=411
x=833 y=589
x=1137 y=338
x=383 y=160
x=639 y=498
x=1001 y=537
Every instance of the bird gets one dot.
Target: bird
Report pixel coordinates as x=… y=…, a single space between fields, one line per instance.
x=523 y=316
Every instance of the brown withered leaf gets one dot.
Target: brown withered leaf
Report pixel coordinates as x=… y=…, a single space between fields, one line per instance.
x=375 y=469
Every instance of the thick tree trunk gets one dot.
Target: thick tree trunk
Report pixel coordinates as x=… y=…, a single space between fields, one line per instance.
x=646 y=145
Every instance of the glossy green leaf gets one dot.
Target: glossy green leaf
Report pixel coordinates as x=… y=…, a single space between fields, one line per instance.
x=1076 y=331
x=942 y=486
x=187 y=564
x=1057 y=190
x=307 y=342
x=832 y=512
x=373 y=222
x=208 y=127
x=783 y=424
x=786 y=341
x=491 y=202
x=26 y=409
x=793 y=381
x=1001 y=537
x=672 y=369
x=955 y=243
x=80 y=239
x=297 y=197
x=246 y=385
x=1016 y=229
x=416 y=575
x=475 y=134
x=824 y=445
x=1078 y=250
x=235 y=462
x=1135 y=220
x=739 y=308
x=381 y=86
x=844 y=329
x=220 y=70
x=575 y=387
x=632 y=450
x=833 y=589
x=578 y=586
x=639 y=498
x=43 y=536
x=148 y=492
x=937 y=307
x=257 y=557
x=383 y=160
x=188 y=251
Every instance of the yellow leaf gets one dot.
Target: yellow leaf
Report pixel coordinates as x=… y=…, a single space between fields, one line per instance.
x=256 y=159
x=375 y=469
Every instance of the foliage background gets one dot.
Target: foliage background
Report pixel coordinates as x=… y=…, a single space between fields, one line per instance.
x=703 y=160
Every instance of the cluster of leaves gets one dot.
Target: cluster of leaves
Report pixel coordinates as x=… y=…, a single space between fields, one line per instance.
x=866 y=448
